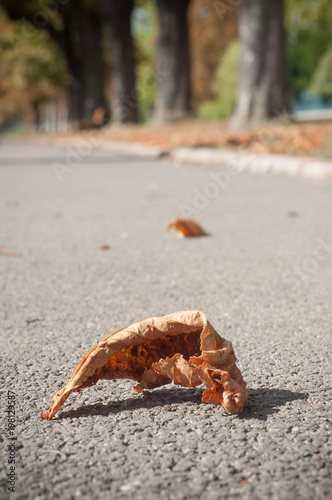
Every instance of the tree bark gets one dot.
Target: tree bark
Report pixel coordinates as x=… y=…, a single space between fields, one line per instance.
x=174 y=91
x=262 y=90
x=117 y=18
x=36 y=109
x=82 y=46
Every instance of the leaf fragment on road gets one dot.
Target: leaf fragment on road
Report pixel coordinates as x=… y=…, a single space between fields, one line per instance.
x=186 y=227
x=182 y=348
x=5 y=251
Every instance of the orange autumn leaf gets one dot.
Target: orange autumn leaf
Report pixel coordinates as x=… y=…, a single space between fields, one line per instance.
x=185 y=227
x=4 y=251
x=239 y=140
x=182 y=348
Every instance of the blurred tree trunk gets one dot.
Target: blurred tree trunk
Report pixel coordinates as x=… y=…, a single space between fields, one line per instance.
x=36 y=109
x=262 y=91
x=117 y=18
x=82 y=46
x=174 y=94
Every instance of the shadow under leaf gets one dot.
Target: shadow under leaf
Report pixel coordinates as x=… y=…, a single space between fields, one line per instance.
x=147 y=400
x=261 y=403
x=265 y=401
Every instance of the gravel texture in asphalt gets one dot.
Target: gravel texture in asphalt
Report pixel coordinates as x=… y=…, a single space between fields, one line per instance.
x=263 y=277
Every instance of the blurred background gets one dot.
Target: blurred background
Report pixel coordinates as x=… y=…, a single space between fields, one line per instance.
x=164 y=67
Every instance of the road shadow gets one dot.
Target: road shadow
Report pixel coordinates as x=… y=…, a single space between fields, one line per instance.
x=91 y=158
x=261 y=402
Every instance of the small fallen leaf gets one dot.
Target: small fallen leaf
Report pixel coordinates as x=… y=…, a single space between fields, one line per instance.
x=182 y=348
x=4 y=251
x=104 y=247
x=98 y=116
x=240 y=140
x=292 y=214
x=185 y=227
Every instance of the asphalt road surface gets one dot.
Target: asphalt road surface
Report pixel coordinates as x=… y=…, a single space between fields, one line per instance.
x=263 y=277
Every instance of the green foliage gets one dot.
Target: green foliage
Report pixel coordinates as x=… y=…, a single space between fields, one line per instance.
x=224 y=85
x=31 y=67
x=145 y=26
x=213 y=110
x=226 y=80
x=309 y=33
x=300 y=13
x=321 y=83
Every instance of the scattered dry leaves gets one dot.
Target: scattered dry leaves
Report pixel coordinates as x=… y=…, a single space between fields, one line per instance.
x=186 y=227
x=312 y=139
x=182 y=348
x=280 y=138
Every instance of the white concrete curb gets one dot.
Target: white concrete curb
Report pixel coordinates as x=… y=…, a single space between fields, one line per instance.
x=131 y=148
x=258 y=163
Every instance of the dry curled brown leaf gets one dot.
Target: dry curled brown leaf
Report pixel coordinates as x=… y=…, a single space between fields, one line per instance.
x=182 y=348
x=185 y=227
